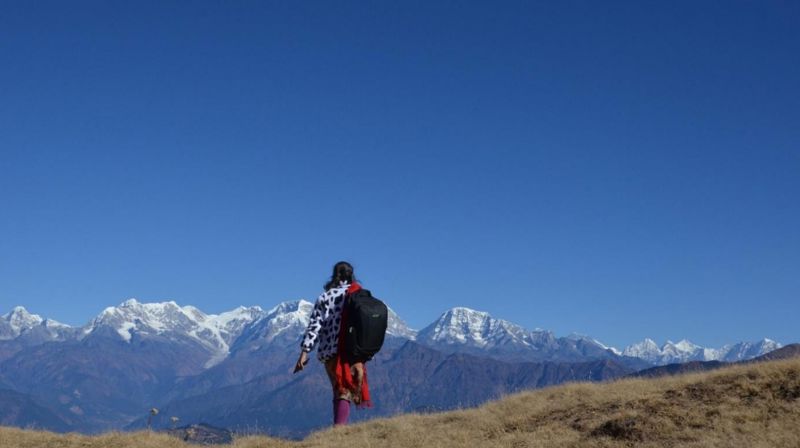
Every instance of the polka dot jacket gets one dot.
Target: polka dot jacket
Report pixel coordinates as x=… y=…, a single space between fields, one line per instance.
x=323 y=327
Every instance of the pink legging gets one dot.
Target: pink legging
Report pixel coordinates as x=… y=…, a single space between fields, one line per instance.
x=341 y=411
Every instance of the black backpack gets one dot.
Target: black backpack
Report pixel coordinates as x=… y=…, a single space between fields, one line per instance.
x=367 y=318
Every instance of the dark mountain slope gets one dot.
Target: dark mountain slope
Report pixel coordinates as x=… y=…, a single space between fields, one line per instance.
x=104 y=382
x=22 y=410
x=412 y=378
x=790 y=351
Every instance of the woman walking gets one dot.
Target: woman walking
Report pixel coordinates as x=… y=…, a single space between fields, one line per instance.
x=348 y=376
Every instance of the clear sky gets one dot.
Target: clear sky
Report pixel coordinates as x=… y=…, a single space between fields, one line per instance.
x=619 y=169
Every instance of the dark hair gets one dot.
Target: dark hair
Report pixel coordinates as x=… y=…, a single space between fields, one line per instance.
x=342 y=271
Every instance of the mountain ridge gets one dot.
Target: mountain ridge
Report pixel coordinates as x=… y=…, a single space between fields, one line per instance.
x=458 y=329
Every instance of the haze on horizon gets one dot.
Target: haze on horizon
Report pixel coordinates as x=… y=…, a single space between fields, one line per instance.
x=622 y=170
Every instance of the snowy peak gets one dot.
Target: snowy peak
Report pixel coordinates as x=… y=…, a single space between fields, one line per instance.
x=290 y=307
x=398 y=328
x=458 y=326
x=19 y=322
x=231 y=323
x=746 y=350
x=286 y=322
x=465 y=326
x=682 y=350
x=19 y=319
x=685 y=346
x=287 y=317
x=589 y=340
x=647 y=350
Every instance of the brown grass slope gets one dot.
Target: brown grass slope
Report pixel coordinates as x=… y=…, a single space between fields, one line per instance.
x=755 y=405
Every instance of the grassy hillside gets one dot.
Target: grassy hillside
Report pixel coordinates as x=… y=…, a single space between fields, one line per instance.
x=754 y=406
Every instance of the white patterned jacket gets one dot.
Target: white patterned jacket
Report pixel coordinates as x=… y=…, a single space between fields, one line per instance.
x=323 y=327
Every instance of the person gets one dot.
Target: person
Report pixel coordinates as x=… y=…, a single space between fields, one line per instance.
x=348 y=376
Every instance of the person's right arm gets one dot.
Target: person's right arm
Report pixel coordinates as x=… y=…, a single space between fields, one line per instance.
x=311 y=336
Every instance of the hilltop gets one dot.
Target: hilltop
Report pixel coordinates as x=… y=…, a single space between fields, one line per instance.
x=754 y=405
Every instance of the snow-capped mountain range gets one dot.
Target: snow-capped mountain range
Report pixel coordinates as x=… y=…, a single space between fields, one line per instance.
x=458 y=329
x=477 y=330
x=684 y=351
x=215 y=332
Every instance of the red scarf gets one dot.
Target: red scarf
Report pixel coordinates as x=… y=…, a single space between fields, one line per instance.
x=344 y=375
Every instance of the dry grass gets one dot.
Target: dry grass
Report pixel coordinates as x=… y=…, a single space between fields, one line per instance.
x=745 y=406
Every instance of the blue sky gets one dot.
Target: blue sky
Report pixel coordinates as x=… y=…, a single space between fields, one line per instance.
x=623 y=169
